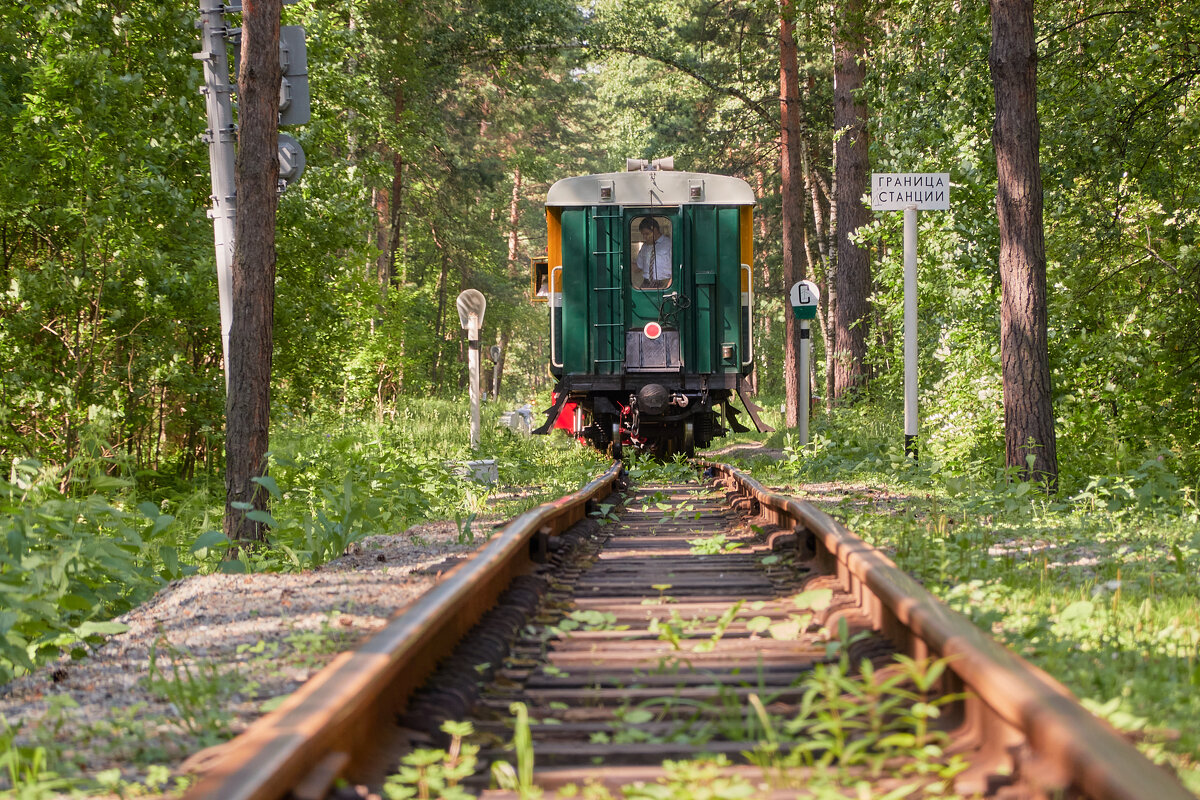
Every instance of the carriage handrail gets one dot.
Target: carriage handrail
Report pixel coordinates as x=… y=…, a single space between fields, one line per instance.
x=553 y=363
x=749 y=359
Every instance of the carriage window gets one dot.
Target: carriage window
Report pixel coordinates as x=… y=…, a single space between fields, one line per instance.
x=539 y=269
x=650 y=259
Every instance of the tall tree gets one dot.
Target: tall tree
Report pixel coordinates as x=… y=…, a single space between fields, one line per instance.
x=852 y=276
x=794 y=200
x=1024 y=356
x=514 y=273
x=248 y=406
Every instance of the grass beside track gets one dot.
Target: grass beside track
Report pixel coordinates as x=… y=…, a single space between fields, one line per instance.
x=1097 y=585
x=82 y=543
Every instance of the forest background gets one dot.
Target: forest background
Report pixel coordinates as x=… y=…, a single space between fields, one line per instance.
x=437 y=128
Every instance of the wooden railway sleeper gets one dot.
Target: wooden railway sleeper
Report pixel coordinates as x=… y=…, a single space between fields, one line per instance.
x=317 y=783
x=1016 y=723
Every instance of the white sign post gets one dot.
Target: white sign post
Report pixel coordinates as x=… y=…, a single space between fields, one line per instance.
x=910 y=332
x=805 y=297
x=471 y=305
x=896 y=191
x=910 y=192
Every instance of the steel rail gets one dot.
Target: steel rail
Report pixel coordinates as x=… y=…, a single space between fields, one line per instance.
x=329 y=725
x=1032 y=719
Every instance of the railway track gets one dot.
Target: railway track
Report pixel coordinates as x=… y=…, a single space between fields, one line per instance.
x=710 y=623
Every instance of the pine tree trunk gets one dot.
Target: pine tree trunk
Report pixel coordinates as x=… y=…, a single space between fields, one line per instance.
x=383 y=262
x=853 y=275
x=793 y=205
x=829 y=299
x=820 y=269
x=248 y=406
x=514 y=272
x=396 y=203
x=440 y=323
x=514 y=229
x=1024 y=353
x=763 y=356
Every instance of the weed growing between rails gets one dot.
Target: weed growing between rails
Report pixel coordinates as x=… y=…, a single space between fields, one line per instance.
x=645 y=470
x=436 y=773
x=1097 y=584
x=870 y=734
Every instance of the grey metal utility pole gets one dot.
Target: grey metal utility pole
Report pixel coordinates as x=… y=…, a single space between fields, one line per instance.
x=221 y=136
x=222 y=152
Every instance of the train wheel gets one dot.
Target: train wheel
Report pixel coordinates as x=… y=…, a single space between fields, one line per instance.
x=688 y=446
x=616 y=441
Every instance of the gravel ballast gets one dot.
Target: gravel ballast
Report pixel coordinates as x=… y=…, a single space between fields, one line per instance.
x=226 y=648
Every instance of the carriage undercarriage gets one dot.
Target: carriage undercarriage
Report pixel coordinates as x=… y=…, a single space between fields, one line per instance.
x=676 y=416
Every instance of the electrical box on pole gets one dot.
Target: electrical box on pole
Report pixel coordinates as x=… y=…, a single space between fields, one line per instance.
x=294 y=105
x=291 y=160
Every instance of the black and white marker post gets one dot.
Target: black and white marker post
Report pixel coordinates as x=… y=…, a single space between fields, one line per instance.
x=910 y=192
x=471 y=305
x=804 y=297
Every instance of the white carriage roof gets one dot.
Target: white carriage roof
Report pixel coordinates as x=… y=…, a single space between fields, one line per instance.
x=651 y=188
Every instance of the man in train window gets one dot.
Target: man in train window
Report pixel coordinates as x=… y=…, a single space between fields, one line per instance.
x=654 y=256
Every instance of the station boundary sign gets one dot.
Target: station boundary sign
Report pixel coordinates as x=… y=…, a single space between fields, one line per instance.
x=896 y=191
x=910 y=192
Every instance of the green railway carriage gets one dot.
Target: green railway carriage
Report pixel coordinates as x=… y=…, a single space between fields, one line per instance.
x=649 y=280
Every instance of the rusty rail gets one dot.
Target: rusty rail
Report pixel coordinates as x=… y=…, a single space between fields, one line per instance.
x=1034 y=722
x=330 y=724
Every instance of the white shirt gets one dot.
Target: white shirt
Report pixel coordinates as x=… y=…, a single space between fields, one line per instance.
x=655 y=259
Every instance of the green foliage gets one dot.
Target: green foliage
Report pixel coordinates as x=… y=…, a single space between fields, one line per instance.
x=68 y=565
x=712 y=545
x=111 y=395
x=330 y=490
x=646 y=470
x=109 y=306
x=198 y=692
x=44 y=758
x=26 y=767
x=1095 y=585
x=849 y=719
x=107 y=299
x=72 y=560
x=604 y=514
x=702 y=778
x=518 y=779
x=1122 y=266
x=436 y=773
